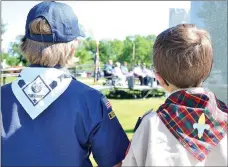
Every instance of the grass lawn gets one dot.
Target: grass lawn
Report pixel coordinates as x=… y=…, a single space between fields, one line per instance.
x=8 y=80
x=128 y=111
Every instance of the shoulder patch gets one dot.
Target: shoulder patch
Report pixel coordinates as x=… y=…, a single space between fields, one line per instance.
x=108 y=106
x=106 y=102
x=111 y=115
x=140 y=119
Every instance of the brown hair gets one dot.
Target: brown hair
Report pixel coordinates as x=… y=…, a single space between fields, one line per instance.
x=183 y=55
x=46 y=54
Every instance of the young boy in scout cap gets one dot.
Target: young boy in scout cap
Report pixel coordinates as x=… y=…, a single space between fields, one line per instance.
x=48 y=118
x=190 y=128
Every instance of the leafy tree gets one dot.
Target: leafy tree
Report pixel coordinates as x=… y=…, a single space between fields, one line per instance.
x=127 y=54
x=90 y=45
x=106 y=51
x=4 y=56
x=86 y=51
x=14 y=50
x=117 y=47
x=116 y=50
x=84 y=56
x=12 y=60
x=143 y=49
x=151 y=39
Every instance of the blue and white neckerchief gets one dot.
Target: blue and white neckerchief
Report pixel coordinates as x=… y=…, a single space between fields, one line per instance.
x=36 y=88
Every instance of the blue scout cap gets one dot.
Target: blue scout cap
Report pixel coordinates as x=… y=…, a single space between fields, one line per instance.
x=60 y=17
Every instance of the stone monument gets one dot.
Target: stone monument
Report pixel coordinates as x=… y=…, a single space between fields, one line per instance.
x=212 y=16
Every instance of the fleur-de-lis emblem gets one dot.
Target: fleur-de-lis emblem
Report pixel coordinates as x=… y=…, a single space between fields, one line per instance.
x=201 y=126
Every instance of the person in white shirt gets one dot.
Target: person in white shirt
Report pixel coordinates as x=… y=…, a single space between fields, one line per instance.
x=148 y=75
x=118 y=72
x=190 y=127
x=137 y=71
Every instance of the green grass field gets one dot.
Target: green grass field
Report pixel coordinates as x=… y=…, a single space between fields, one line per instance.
x=127 y=111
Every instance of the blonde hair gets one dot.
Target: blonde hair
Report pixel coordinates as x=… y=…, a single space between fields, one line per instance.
x=46 y=54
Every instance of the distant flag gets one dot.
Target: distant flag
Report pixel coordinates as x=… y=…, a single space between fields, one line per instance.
x=106 y=102
x=96 y=64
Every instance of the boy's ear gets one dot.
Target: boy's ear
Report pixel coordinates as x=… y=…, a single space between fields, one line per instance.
x=160 y=80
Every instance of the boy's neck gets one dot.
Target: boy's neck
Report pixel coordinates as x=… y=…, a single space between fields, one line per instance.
x=171 y=88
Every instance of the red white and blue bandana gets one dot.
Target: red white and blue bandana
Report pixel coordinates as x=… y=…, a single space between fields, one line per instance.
x=196 y=118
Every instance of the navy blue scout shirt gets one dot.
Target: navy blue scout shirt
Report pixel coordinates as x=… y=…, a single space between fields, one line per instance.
x=78 y=122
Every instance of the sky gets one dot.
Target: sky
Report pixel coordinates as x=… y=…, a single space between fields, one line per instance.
x=103 y=19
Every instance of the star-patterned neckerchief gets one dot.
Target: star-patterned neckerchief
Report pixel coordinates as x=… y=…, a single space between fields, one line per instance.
x=196 y=118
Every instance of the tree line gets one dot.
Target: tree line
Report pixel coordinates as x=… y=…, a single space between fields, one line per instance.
x=213 y=15
x=117 y=50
